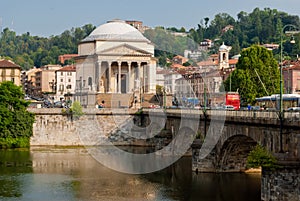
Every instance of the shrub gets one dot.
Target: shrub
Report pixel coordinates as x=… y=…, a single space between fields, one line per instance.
x=9 y=142
x=76 y=110
x=260 y=157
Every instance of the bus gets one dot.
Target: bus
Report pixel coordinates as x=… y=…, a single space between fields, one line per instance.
x=273 y=101
x=233 y=98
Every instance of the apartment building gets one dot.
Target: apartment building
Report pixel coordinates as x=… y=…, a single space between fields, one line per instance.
x=9 y=71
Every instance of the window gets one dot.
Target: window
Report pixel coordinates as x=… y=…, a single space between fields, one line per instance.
x=69 y=86
x=90 y=81
x=61 y=80
x=69 y=80
x=61 y=87
x=224 y=57
x=61 y=73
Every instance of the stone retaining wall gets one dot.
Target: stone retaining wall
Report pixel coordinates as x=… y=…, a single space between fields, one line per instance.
x=281 y=184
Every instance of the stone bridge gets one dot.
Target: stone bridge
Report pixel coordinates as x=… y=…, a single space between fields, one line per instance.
x=223 y=138
x=235 y=134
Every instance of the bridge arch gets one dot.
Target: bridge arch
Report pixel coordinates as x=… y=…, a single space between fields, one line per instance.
x=233 y=154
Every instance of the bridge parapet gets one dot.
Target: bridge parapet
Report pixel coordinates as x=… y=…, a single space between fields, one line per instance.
x=253 y=117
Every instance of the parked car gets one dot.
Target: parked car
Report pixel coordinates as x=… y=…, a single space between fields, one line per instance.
x=228 y=107
x=256 y=108
x=58 y=104
x=154 y=106
x=291 y=109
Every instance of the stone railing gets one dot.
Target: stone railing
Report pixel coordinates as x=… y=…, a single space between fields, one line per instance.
x=243 y=114
x=88 y=111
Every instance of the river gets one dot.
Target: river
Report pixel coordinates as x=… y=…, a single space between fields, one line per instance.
x=71 y=174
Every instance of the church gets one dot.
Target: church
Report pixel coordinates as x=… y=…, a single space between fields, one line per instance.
x=115 y=65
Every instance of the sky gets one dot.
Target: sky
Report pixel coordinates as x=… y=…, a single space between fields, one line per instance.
x=52 y=17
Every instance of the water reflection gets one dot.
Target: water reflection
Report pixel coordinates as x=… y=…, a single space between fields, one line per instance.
x=72 y=174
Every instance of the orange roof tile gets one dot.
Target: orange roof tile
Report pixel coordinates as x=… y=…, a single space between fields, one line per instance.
x=8 y=64
x=68 y=68
x=233 y=61
x=177 y=66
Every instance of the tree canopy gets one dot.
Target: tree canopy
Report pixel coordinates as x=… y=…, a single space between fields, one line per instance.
x=258 y=27
x=28 y=51
x=15 y=121
x=256 y=75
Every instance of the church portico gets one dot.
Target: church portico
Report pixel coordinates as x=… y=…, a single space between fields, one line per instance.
x=132 y=75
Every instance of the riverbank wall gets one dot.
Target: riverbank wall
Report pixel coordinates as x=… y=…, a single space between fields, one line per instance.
x=53 y=127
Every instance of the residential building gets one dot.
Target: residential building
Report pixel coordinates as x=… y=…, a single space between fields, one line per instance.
x=204 y=86
x=45 y=80
x=179 y=60
x=65 y=57
x=291 y=77
x=271 y=46
x=205 y=45
x=160 y=79
x=205 y=81
x=170 y=78
x=30 y=82
x=65 y=82
x=138 y=25
x=227 y=28
x=193 y=54
x=9 y=71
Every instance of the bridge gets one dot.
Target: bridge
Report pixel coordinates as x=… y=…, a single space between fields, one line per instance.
x=223 y=138
x=235 y=134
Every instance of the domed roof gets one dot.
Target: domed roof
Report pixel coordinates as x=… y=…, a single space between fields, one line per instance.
x=116 y=30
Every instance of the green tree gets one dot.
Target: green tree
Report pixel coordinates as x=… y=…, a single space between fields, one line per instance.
x=260 y=157
x=257 y=74
x=76 y=110
x=15 y=121
x=166 y=44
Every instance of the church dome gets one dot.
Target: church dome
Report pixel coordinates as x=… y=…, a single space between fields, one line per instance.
x=116 y=30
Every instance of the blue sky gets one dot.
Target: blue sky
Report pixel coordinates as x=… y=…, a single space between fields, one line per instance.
x=52 y=17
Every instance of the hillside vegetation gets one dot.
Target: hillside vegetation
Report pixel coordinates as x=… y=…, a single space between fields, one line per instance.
x=258 y=27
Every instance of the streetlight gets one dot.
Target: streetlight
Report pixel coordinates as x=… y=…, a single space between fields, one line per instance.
x=292 y=41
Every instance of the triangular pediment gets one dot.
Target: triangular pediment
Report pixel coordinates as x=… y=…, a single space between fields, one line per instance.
x=124 y=49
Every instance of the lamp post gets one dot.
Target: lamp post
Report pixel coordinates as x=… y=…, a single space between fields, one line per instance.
x=281 y=115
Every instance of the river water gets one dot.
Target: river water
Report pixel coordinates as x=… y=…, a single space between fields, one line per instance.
x=64 y=174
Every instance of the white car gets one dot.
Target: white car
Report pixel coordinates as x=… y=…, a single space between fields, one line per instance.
x=293 y=109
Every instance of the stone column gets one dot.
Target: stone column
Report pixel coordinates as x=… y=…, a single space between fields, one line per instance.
x=98 y=75
x=139 y=75
x=129 y=77
x=146 y=77
x=140 y=81
x=109 y=78
x=119 y=76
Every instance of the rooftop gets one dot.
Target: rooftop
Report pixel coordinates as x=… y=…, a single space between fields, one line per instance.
x=8 y=64
x=71 y=68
